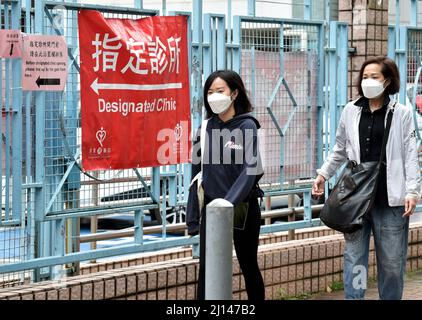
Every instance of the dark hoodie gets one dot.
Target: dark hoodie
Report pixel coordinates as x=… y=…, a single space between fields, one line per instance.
x=232 y=165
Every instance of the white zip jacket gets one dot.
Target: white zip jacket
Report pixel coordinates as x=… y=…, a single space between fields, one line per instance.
x=403 y=177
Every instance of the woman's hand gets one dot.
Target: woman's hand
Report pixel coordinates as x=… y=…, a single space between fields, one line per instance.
x=318 y=186
x=409 y=207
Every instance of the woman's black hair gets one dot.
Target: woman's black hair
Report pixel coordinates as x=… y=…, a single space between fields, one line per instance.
x=388 y=69
x=234 y=81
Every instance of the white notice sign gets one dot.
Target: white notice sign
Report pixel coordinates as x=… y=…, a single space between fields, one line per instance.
x=44 y=63
x=10 y=44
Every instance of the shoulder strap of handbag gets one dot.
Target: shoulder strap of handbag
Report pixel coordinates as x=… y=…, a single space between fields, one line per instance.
x=202 y=141
x=203 y=136
x=386 y=133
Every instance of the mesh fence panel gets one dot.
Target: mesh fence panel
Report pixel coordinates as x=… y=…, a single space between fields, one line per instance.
x=405 y=12
x=61 y=143
x=414 y=54
x=16 y=226
x=414 y=59
x=263 y=64
x=63 y=138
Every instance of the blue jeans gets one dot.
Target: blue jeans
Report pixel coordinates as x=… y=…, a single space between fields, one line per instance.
x=390 y=232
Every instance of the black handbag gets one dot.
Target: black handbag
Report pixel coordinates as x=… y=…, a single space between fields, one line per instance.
x=352 y=198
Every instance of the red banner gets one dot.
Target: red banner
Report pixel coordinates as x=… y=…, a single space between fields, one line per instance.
x=135 y=108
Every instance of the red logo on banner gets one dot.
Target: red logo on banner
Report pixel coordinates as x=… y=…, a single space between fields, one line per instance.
x=134 y=91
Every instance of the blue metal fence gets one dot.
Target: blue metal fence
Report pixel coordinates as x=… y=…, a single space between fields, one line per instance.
x=405 y=46
x=294 y=70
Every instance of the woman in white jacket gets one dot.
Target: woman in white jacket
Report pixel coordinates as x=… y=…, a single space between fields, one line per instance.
x=359 y=137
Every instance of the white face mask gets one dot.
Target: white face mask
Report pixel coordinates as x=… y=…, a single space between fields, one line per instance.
x=219 y=102
x=372 y=88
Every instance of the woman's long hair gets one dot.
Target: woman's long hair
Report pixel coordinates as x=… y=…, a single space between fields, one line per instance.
x=234 y=81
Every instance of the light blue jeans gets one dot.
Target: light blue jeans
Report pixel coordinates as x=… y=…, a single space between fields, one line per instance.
x=390 y=232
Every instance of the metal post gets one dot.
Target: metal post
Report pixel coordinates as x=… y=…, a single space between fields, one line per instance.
x=195 y=250
x=401 y=59
x=414 y=13
x=291 y=217
x=307 y=9
x=16 y=121
x=138 y=222
x=397 y=27
x=229 y=32
x=221 y=43
x=333 y=62
x=326 y=80
x=320 y=95
x=1 y=122
x=155 y=181
x=197 y=63
x=218 y=250
x=309 y=120
x=196 y=58
x=343 y=56
x=391 y=42
x=40 y=227
x=7 y=172
x=282 y=136
x=327 y=10
x=139 y=4
x=332 y=103
x=237 y=34
x=75 y=176
x=29 y=144
x=251 y=8
x=17 y=100
x=307 y=208
x=187 y=170
x=58 y=247
x=54 y=106
x=267 y=208
x=172 y=186
x=253 y=76
x=207 y=46
x=163 y=207
x=94 y=219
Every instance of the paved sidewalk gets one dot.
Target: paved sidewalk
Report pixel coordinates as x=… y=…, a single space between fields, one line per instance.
x=412 y=290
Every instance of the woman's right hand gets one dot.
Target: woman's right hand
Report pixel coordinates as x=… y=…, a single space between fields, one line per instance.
x=318 y=186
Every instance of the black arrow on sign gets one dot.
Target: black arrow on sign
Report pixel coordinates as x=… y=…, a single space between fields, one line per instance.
x=47 y=82
x=11 y=50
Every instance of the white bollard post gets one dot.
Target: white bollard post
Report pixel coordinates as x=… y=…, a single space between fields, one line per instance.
x=218 y=250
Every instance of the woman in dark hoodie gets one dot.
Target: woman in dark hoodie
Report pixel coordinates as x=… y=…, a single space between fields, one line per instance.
x=231 y=170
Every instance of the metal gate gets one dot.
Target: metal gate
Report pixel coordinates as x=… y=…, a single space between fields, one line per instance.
x=283 y=66
x=413 y=81
x=45 y=190
x=405 y=46
x=283 y=70
x=16 y=221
